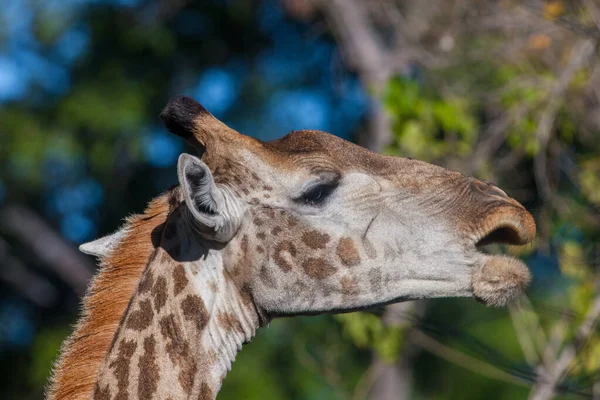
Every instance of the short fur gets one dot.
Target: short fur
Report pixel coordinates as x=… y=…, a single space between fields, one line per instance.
x=74 y=374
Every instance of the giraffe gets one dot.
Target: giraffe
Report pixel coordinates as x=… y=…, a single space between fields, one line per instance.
x=302 y=225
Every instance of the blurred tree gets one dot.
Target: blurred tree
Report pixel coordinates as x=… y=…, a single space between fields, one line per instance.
x=81 y=87
x=507 y=91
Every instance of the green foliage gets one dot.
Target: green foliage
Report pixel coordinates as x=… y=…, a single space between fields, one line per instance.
x=368 y=331
x=107 y=106
x=135 y=62
x=589 y=178
x=428 y=126
x=467 y=321
x=300 y=358
x=446 y=124
x=45 y=350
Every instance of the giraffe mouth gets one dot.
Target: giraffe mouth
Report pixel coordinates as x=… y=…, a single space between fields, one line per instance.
x=498 y=280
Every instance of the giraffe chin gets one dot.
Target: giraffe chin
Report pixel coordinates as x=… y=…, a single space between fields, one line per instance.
x=500 y=280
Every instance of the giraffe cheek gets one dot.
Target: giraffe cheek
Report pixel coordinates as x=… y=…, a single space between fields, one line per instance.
x=349 y=286
x=284 y=254
x=347 y=252
x=267 y=277
x=318 y=268
x=315 y=240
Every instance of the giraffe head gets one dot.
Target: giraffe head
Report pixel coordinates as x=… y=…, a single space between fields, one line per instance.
x=312 y=223
x=305 y=224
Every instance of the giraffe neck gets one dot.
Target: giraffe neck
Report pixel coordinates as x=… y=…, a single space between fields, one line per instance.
x=75 y=373
x=184 y=324
x=232 y=321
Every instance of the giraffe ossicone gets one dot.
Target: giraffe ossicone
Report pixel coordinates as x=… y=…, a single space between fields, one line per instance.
x=305 y=224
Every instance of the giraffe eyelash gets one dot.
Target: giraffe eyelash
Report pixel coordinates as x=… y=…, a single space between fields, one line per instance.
x=317 y=194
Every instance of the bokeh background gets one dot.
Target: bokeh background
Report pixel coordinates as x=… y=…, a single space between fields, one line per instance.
x=508 y=91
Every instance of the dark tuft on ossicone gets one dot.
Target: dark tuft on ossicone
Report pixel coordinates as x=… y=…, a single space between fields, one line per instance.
x=179 y=115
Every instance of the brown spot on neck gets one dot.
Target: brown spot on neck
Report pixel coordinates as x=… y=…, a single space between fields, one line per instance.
x=178 y=349
x=149 y=370
x=229 y=322
x=159 y=292
x=205 y=392
x=147 y=282
x=194 y=310
x=244 y=245
x=187 y=373
x=258 y=222
x=177 y=346
x=180 y=279
x=101 y=394
x=121 y=367
x=141 y=318
x=169 y=328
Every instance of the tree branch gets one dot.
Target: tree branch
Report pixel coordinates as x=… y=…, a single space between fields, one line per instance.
x=32 y=286
x=362 y=52
x=550 y=376
x=464 y=360
x=63 y=258
x=581 y=53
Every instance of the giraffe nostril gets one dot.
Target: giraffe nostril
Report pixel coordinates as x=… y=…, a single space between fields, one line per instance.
x=488 y=189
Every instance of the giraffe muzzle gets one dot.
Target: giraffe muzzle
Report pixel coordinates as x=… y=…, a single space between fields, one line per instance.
x=499 y=279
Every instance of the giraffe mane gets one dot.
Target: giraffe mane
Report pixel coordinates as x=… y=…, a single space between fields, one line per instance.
x=107 y=297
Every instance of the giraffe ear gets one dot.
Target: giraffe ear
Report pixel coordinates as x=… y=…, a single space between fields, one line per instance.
x=215 y=210
x=101 y=247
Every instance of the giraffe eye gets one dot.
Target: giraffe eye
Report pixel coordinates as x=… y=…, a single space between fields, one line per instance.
x=317 y=194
